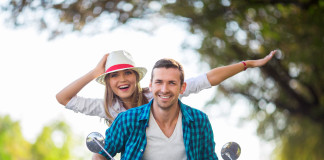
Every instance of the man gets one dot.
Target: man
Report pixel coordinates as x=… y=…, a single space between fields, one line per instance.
x=164 y=128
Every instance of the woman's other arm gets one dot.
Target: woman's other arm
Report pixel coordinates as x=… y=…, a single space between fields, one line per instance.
x=67 y=93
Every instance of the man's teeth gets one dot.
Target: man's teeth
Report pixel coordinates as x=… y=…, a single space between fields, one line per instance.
x=165 y=96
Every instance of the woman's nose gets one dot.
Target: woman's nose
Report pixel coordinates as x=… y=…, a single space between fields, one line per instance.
x=122 y=77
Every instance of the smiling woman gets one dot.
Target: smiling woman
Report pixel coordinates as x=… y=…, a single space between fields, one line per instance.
x=121 y=83
x=123 y=89
x=121 y=79
x=118 y=72
x=59 y=60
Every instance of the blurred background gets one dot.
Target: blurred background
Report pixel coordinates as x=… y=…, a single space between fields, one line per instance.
x=275 y=112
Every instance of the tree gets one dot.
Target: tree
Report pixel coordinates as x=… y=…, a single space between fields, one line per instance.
x=14 y=146
x=12 y=143
x=287 y=96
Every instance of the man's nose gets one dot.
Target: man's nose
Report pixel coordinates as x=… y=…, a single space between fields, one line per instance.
x=164 y=88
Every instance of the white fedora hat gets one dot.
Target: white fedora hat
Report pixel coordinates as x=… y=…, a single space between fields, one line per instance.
x=120 y=60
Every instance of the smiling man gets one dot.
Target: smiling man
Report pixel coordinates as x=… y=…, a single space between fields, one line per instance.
x=165 y=128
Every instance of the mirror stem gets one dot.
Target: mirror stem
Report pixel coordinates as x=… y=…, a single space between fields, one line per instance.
x=95 y=139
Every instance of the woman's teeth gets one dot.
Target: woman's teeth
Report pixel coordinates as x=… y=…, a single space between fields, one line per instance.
x=123 y=87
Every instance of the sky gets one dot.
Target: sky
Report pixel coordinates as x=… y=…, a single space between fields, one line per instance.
x=35 y=69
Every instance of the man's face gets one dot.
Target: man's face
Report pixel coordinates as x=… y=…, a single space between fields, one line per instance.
x=166 y=87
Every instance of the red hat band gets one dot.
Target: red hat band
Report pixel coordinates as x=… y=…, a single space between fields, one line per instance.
x=118 y=66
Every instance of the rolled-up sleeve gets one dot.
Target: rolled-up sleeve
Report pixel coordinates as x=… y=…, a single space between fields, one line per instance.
x=196 y=84
x=88 y=106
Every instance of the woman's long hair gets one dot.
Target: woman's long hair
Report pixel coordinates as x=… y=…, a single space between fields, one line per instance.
x=110 y=98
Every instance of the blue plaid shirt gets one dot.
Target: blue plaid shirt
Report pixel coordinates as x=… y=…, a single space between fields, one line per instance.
x=127 y=134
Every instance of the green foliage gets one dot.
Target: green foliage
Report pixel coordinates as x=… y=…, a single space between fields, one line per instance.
x=302 y=137
x=12 y=143
x=286 y=95
x=14 y=146
x=44 y=148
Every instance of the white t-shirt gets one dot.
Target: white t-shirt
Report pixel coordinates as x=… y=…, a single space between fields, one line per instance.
x=159 y=146
x=95 y=107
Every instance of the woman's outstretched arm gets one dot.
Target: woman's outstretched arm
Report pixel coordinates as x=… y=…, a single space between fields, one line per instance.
x=219 y=74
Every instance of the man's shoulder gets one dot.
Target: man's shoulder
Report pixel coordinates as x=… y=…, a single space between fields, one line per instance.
x=195 y=113
x=196 y=118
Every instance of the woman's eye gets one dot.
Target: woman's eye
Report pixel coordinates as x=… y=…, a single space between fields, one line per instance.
x=128 y=72
x=113 y=75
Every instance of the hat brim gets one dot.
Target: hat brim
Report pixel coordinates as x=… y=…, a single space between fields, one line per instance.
x=140 y=70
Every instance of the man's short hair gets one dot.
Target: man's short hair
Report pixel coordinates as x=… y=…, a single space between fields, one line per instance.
x=169 y=63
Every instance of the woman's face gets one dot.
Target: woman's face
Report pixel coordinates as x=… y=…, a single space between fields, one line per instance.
x=123 y=83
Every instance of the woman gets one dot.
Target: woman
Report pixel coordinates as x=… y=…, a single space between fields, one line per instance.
x=121 y=77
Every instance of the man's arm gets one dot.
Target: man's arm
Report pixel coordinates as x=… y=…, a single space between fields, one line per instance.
x=97 y=156
x=115 y=137
x=208 y=151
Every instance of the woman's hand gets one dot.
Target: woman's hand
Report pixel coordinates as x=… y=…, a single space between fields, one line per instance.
x=100 y=68
x=261 y=62
x=66 y=94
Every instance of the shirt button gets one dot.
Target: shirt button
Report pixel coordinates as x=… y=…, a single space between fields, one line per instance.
x=141 y=150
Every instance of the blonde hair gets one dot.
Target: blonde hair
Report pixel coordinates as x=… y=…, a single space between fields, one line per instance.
x=110 y=98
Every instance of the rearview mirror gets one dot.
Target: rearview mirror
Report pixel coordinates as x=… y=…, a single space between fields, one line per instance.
x=231 y=151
